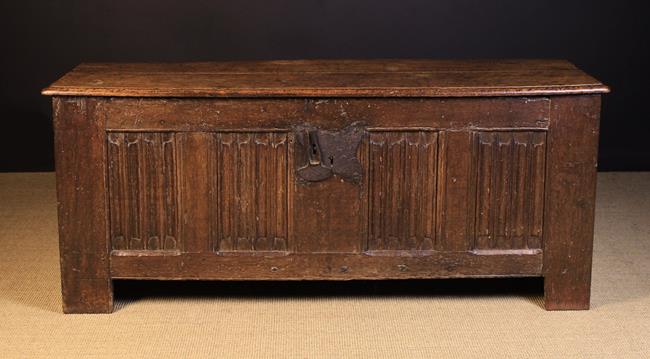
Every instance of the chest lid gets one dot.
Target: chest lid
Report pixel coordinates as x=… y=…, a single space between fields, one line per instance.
x=328 y=78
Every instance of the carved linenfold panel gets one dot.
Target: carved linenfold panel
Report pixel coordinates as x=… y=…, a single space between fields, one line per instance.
x=411 y=187
x=249 y=182
x=245 y=200
x=142 y=191
x=509 y=189
x=402 y=190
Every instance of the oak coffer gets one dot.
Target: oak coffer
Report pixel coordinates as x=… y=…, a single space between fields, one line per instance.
x=337 y=169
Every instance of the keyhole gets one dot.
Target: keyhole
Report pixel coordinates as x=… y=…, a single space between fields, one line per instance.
x=314 y=154
x=331 y=160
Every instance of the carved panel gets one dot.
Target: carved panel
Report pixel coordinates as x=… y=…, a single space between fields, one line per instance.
x=142 y=191
x=509 y=189
x=402 y=190
x=248 y=195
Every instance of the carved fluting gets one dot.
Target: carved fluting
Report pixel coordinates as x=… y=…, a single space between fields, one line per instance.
x=142 y=191
x=510 y=189
x=402 y=190
x=249 y=184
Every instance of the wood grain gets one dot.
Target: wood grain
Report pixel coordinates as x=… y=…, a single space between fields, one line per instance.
x=509 y=189
x=454 y=200
x=196 y=115
x=143 y=191
x=317 y=186
x=570 y=201
x=81 y=193
x=192 y=151
x=329 y=78
x=325 y=266
x=249 y=191
x=402 y=190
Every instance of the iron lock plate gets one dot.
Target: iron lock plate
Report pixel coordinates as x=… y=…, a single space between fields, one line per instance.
x=322 y=154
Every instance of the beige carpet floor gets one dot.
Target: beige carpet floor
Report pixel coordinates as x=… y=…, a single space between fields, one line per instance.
x=415 y=319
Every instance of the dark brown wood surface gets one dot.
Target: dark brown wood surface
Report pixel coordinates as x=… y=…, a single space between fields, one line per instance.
x=81 y=193
x=325 y=266
x=182 y=115
x=326 y=187
x=329 y=78
x=570 y=201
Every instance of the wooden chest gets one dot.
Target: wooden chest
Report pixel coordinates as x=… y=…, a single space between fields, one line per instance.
x=297 y=170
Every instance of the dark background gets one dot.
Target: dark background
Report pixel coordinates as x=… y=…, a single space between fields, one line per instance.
x=41 y=40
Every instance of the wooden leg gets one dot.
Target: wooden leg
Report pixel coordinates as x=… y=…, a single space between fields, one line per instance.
x=81 y=193
x=87 y=295
x=566 y=292
x=570 y=201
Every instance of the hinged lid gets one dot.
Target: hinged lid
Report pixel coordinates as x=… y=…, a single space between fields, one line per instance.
x=328 y=78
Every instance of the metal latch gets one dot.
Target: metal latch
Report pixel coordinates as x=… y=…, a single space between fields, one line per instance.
x=324 y=153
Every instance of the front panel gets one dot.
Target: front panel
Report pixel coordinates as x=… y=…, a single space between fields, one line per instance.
x=345 y=187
